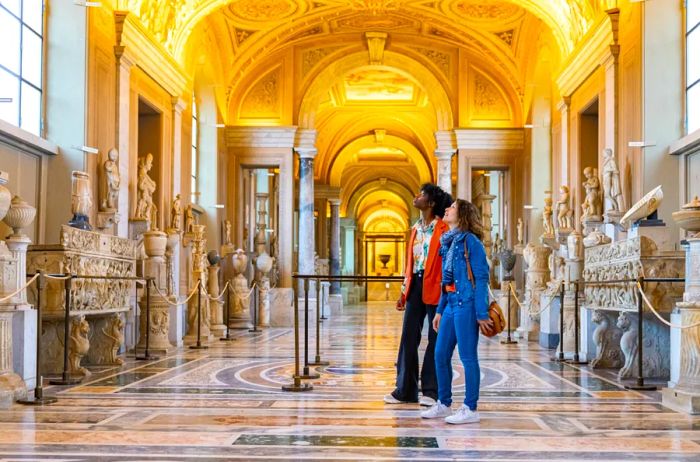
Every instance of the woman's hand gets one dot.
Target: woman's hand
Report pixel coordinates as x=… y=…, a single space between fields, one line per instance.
x=436 y=321
x=401 y=304
x=487 y=323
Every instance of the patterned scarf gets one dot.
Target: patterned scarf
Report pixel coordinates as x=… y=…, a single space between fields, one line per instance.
x=451 y=240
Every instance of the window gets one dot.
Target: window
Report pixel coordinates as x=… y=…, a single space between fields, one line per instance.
x=692 y=71
x=21 y=26
x=194 y=166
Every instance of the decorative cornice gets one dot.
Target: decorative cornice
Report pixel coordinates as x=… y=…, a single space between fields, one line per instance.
x=445 y=141
x=325 y=191
x=509 y=138
x=260 y=137
x=586 y=59
x=135 y=45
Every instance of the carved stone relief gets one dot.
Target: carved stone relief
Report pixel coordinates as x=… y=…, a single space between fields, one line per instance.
x=441 y=59
x=487 y=100
x=607 y=340
x=263 y=100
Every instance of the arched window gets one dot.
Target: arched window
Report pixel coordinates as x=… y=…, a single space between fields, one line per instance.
x=21 y=53
x=692 y=70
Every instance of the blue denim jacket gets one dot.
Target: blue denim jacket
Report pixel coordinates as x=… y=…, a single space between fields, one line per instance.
x=465 y=294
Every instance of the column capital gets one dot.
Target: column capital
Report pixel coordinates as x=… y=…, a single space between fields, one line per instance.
x=446 y=140
x=564 y=104
x=334 y=202
x=306 y=153
x=179 y=104
x=444 y=155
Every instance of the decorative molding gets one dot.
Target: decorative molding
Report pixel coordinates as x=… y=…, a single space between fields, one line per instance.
x=509 y=138
x=260 y=137
x=446 y=141
x=133 y=41
x=584 y=61
x=441 y=59
x=17 y=138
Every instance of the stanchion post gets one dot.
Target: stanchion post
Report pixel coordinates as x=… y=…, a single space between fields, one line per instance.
x=562 y=297
x=39 y=398
x=134 y=330
x=199 y=345
x=323 y=302
x=509 y=340
x=66 y=378
x=640 y=385
x=307 y=374
x=255 y=309
x=577 y=326
x=146 y=355
x=228 y=314
x=319 y=294
x=296 y=385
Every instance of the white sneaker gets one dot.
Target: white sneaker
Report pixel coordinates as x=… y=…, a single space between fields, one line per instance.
x=462 y=416
x=389 y=399
x=436 y=410
x=426 y=401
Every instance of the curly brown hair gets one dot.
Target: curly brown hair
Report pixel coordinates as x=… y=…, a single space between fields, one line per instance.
x=469 y=218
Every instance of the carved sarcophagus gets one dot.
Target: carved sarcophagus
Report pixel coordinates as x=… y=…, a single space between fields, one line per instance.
x=96 y=304
x=631 y=259
x=615 y=304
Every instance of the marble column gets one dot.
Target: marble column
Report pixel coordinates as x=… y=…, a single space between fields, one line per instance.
x=123 y=124
x=306 y=209
x=685 y=396
x=444 y=169
x=335 y=244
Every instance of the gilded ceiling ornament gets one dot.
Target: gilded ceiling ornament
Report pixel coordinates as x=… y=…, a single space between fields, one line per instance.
x=506 y=36
x=439 y=58
x=488 y=101
x=264 y=98
x=375 y=7
x=263 y=10
x=309 y=58
x=375 y=45
x=477 y=10
x=242 y=35
x=362 y=22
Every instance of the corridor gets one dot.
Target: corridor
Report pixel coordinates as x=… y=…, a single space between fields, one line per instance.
x=225 y=403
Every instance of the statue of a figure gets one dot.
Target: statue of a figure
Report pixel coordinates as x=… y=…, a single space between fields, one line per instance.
x=145 y=189
x=112 y=180
x=547 y=217
x=519 y=230
x=564 y=212
x=189 y=219
x=612 y=188
x=176 y=214
x=592 y=205
x=227 y=232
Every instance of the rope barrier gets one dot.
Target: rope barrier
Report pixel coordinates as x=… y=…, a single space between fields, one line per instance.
x=250 y=292
x=217 y=298
x=57 y=278
x=549 y=305
x=493 y=297
x=31 y=281
x=653 y=310
x=178 y=302
x=512 y=291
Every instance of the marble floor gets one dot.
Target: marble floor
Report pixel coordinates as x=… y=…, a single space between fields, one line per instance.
x=226 y=403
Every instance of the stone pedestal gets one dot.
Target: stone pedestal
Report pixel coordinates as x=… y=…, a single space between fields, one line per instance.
x=240 y=301
x=537 y=275
x=12 y=387
x=216 y=306
x=281 y=307
x=685 y=396
x=159 y=334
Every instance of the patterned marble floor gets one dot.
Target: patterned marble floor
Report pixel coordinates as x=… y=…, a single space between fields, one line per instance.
x=225 y=403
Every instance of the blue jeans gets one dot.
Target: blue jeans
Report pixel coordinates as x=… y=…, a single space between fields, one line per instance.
x=458 y=327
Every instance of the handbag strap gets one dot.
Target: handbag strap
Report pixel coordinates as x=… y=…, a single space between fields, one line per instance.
x=469 y=265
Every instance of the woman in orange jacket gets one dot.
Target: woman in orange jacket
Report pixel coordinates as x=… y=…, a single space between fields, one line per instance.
x=420 y=295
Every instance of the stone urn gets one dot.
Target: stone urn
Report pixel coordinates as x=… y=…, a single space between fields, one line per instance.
x=574 y=244
x=5 y=196
x=239 y=260
x=155 y=242
x=81 y=201
x=688 y=217
x=19 y=216
x=507 y=261
x=384 y=258
x=263 y=263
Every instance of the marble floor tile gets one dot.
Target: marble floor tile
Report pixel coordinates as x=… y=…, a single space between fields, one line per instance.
x=227 y=403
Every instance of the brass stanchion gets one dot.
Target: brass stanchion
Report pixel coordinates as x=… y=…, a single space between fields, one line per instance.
x=577 y=328
x=199 y=345
x=146 y=355
x=296 y=385
x=228 y=314
x=39 y=398
x=509 y=340
x=317 y=361
x=640 y=385
x=66 y=378
x=255 y=310
x=307 y=373
x=560 y=355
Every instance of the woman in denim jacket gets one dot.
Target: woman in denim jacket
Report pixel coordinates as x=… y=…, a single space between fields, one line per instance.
x=463 y=307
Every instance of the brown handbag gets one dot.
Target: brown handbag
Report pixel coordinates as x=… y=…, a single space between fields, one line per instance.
x=495 y=311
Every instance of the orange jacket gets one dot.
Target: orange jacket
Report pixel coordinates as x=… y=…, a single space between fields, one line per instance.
x=432 y=275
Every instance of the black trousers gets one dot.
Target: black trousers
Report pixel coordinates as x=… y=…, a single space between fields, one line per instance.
x=407 y=363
